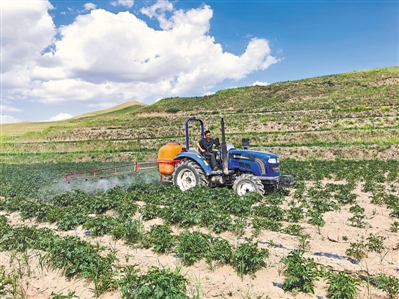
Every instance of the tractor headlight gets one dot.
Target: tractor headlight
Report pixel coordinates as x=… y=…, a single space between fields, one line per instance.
x=273 y=160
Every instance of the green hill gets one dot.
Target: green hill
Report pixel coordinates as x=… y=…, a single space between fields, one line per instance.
x=350 y=115
x=118 y=110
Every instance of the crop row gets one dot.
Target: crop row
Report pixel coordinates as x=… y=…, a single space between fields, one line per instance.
x=198 y=207
x=44 y=180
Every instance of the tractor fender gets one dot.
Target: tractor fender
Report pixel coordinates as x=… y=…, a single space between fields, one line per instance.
x=197 y=158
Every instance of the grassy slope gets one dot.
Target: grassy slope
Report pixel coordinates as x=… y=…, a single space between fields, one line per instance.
x=338 y=116
x=114 y=111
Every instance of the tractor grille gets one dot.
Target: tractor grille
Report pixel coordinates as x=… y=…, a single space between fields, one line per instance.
x=261 y=165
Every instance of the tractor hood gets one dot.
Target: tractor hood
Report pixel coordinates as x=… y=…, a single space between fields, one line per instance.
x=250 y=155
x=261 y=164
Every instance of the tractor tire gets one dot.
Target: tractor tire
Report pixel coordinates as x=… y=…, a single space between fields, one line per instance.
x=247 y=183
x=188 y=174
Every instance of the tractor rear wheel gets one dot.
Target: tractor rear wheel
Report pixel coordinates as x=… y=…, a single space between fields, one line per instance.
x=246 y=183
x=188 y=174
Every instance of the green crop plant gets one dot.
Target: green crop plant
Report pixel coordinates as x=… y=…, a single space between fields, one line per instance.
x=160 y=238
x=300 y=272
x=218 y=250
x=375 y=243
x=130 y=230
x=358 y=216
x=5 y=284
x=293 y=229
x=294 y=213
x=149 y=211
x=191 y=246
x=357 y=250
x=216 y=221
x=388 y=284
x=342 y=285
x=247 y=258
x=11 y=286
x=391 y=199
x=394 y=206
x=70 y=295
x=71 y=218
x=316 y=218
x=156 y=283
x=260 y=223
x=100 y=225
x=75 y=256
x=238 y=226
x=378 y=197
x=303 y=242
x=275 y=199
x=271 y=212
x=394 y=227
x=300 y=190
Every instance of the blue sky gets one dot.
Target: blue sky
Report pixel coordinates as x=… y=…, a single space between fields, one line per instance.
x=60 y=59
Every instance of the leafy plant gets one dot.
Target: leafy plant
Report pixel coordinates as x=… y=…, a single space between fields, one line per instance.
x=394 y=227
x=131 y=230
x=358 y=216
x=70 y=295
x=304 y=243
x=293 y=229
x=149 y=211
x=71 y=218
x=271 y=212
x=156 y=283
x=238 y=226
x=357 y=250
x=259 y=223
x=301 y=272
x=341 y=285
x=247 y=259
x=294 y=214
x=160 y=238
x=375 y=243
x=395 y=209
x=191 y=246
x=100 y=225
x=218 y=250
x=389 y=284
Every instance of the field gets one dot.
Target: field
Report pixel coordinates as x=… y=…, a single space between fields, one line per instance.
x=333 y=235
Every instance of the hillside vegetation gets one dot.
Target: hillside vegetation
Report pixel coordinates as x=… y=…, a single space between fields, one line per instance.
x=350 y=116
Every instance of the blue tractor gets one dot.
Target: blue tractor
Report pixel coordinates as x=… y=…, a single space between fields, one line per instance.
x=241 y=169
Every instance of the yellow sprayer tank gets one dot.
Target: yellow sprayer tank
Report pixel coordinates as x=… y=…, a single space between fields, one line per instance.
x=166 y=155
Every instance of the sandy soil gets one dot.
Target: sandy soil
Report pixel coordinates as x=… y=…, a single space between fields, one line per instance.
x=223 y=282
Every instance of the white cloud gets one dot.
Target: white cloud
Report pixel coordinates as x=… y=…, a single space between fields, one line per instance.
x=260 y=83
x=23 y=41
x=103 y=57
x=60 y=116
x=7 y=108
x=209 y=93
x=7 y=119
x=90 y=6
x=127 y=3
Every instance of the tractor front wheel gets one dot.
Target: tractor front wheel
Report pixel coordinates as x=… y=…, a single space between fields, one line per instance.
x=188 y=174
x=246 y=183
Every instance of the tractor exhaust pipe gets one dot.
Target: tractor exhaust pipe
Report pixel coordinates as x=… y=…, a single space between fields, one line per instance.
x=224 y=150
